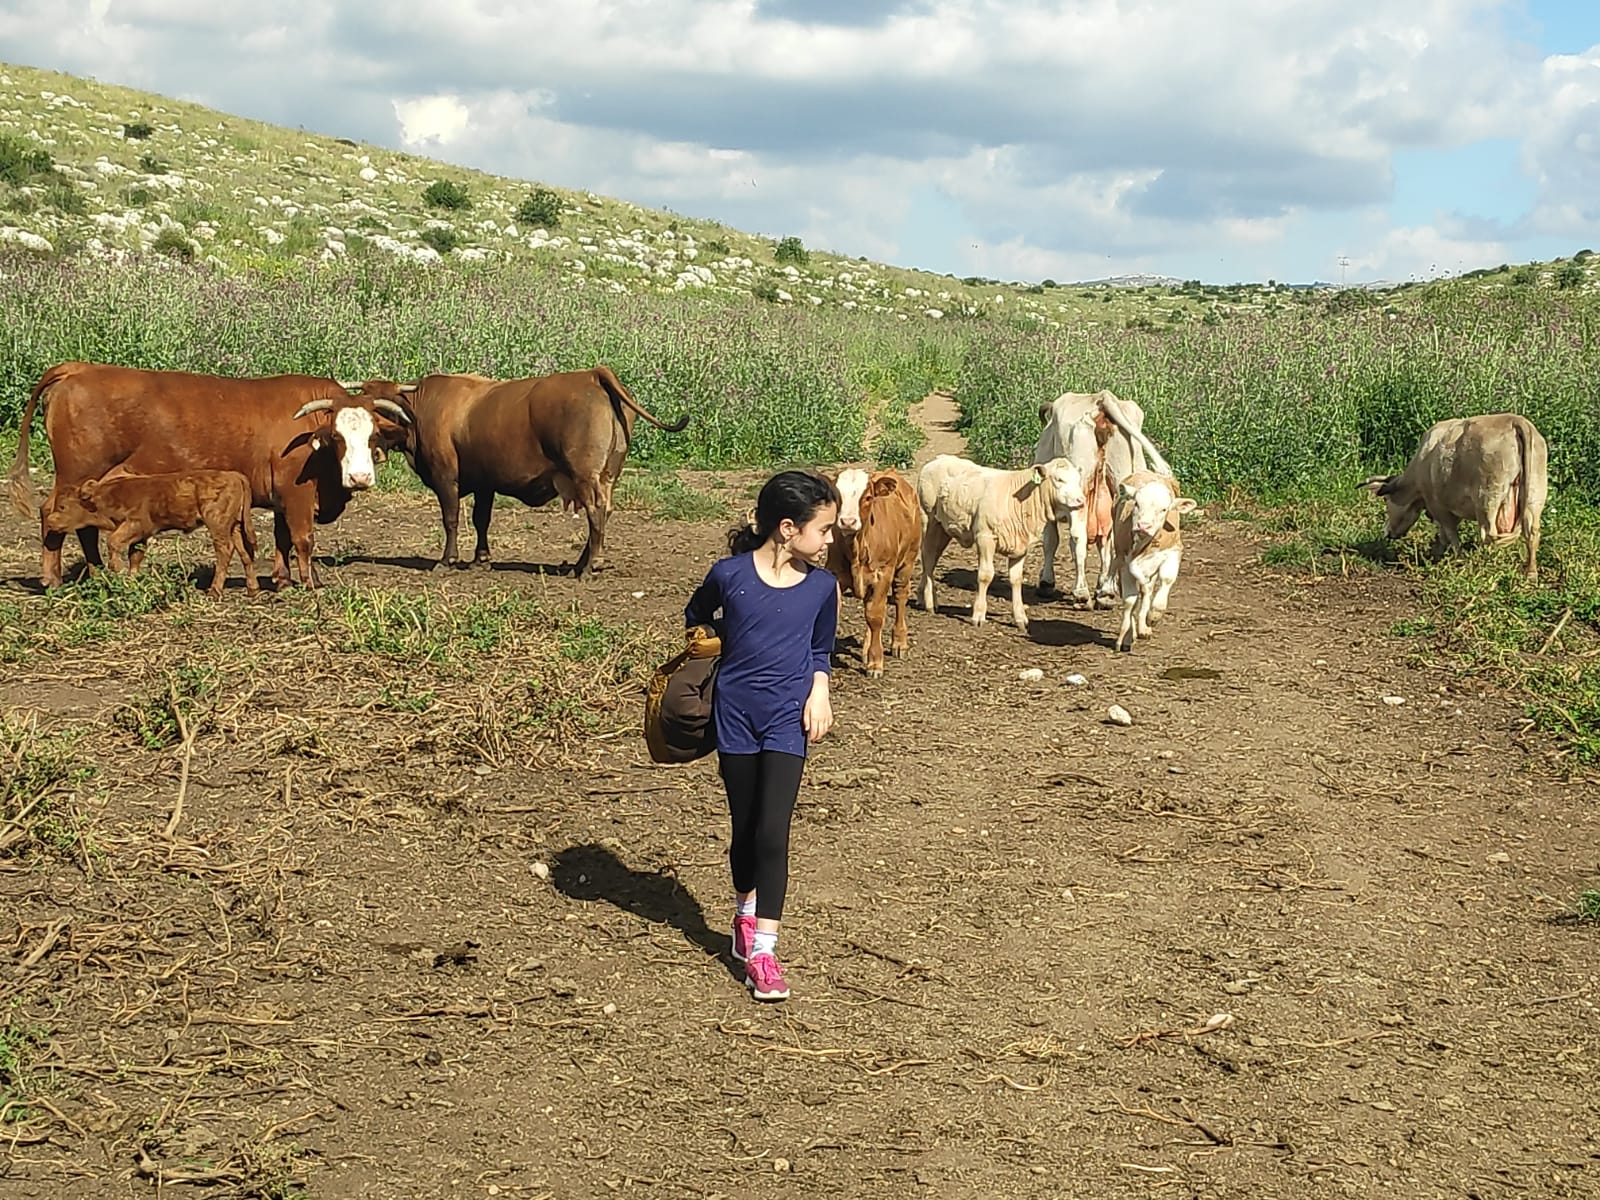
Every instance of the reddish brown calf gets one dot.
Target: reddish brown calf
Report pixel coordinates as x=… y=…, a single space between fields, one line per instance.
x=882 y=559
x=134 y=507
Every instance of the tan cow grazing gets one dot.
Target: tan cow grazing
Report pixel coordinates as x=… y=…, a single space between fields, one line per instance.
x=999 y=512
x=1103 y=437
x=1149 y=549
x=563 y=435
x=132 y=508
x=882 y=556
x=1492 y=469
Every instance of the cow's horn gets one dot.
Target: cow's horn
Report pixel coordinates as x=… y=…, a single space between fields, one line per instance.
x=312 y=406
x=393 y=409
x=406 y=388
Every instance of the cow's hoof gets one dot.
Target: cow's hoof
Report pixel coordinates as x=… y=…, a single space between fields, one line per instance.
x=899 y=651
x=874 y=672
x=1046 y=588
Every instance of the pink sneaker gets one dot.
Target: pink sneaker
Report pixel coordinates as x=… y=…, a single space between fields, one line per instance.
x=744 y=929
x=764 y=977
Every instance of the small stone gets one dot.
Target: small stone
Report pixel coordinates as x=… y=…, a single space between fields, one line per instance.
x=1118 y=715
x=1394 y=701
x=1499 y=856
x=609 y=1010
x=482 y=769
x=1031 y=675
x=1077 y=680
x=638 y=595
x=1235 y=988
x=541 y=870
x=780 y=1166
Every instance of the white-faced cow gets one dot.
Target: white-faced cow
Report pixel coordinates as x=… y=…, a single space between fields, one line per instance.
x=1101 y=436
x=304 y=443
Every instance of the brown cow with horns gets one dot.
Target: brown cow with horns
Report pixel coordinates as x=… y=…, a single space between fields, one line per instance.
x=304 y=443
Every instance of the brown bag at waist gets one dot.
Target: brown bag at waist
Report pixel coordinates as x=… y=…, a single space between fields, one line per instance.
x=677 y=702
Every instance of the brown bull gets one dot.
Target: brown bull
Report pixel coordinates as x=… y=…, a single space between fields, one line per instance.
x=560 y=435
x=305 y=445
x=132 y=508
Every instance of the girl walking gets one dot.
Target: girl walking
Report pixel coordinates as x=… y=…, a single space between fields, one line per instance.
x=779 y=616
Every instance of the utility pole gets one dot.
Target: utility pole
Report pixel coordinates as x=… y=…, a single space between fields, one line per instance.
x=1344 y=261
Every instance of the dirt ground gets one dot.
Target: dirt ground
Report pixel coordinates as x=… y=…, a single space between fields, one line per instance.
x=1281 y=937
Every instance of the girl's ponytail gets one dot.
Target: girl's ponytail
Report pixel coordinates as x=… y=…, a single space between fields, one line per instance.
x=788 y=495
x=742 y=539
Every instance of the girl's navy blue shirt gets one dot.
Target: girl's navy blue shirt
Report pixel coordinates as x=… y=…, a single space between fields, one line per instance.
x=774 y=640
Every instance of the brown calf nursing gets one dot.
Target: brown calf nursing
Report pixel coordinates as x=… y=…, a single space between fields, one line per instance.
x=132 y=508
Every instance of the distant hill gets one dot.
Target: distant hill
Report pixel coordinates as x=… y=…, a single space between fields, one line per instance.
x=92 y=168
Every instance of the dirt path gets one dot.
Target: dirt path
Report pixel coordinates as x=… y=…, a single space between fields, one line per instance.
x=937 y=416
x=1281 y=937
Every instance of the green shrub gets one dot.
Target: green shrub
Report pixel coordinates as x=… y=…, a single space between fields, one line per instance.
x=66 y=197
x=445 y=193
x=172 y=242
x=442 y=238
x=540 y=207
x=1569 y=275
x=792 y=250
x=21 y=163
x=138 y=131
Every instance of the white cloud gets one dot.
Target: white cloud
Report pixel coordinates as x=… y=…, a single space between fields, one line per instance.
x=435 y=120
x=1562 y=147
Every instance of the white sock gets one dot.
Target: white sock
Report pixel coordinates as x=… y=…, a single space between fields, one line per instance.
x=763 y=943
x=745 y=908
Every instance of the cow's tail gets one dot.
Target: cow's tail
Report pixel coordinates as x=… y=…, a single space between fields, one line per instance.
x=18 y=482
x=621 y=395
x=1113 y=410
x=1533 y=468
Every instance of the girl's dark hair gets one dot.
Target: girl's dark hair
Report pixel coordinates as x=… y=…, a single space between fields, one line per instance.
x=795 y=495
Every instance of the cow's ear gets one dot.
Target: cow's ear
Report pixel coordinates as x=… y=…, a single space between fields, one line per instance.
x=881 y=487
x=1184 y=505
x=1376 y=484
x=1044 y=413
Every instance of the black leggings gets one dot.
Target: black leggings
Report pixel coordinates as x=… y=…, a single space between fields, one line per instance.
x=762 y=789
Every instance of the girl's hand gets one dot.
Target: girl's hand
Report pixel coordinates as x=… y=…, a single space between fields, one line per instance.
x=818 y=715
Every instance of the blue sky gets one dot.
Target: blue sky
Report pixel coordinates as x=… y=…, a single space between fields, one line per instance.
x=1020 y=139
